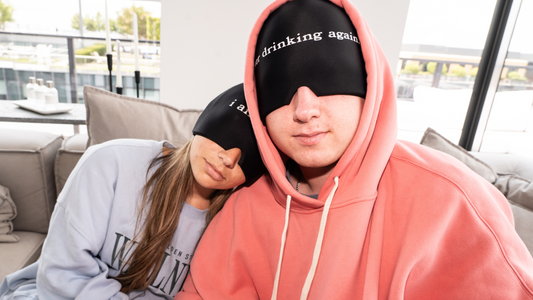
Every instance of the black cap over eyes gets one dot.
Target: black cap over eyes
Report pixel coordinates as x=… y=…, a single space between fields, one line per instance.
x=226 y=121
x=309 y=43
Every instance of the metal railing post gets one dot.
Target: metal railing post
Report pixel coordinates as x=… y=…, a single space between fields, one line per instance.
x=72 y=70
x=436 y=75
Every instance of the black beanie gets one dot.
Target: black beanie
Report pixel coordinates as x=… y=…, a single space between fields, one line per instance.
x=226 y=121
x=309 y=43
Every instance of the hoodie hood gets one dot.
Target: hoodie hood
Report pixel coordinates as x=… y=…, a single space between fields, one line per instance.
x=360 y=167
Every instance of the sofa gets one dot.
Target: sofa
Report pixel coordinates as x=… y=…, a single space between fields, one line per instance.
x=34 y=167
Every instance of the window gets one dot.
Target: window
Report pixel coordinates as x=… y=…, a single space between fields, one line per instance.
x=510 y=127
x=441 y=51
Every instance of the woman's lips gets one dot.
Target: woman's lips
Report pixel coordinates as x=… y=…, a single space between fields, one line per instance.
x=211 y=171
x=310 y=139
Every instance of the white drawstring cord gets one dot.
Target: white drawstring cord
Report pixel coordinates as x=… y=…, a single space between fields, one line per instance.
x=318 y=245
x=283 y=238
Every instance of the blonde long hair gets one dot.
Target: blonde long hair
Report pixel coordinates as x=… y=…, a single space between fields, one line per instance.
x=163 y=198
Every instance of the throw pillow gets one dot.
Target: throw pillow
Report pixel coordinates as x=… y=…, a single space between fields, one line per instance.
x=516 y=189
x=112 y=116
x=436 y=141
x=519 y=192
x=8 y=211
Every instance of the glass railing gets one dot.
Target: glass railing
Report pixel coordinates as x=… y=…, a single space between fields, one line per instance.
x=451 y=72
x=434 y=90
x=24 y=55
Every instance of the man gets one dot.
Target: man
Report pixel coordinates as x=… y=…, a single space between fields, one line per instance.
x=347 y=211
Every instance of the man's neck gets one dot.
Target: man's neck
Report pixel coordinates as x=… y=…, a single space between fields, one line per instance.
x=313 y=179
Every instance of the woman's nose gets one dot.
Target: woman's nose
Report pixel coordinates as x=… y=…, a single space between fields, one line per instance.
x=305 y=105
x=230 y=157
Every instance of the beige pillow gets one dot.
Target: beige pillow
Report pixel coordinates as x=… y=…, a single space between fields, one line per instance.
x=8 y=211
x=436 y=141
x=112 y=116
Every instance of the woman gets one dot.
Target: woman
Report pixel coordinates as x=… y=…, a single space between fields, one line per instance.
x=131 y=214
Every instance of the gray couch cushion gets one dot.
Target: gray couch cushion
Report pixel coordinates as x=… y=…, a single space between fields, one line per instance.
x=436 y=141
x=27 y=170
x=18 y=255
x=68 y=155
x=8 y=211
x=111 y=116
x=519 y=192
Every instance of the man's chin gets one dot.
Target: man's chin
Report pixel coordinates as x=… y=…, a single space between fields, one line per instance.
x=315 y=162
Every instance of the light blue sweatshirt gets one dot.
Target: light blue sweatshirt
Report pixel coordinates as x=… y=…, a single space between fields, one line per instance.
x=95 y=216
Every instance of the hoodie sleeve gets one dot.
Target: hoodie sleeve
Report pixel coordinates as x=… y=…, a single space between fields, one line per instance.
x=69 y=264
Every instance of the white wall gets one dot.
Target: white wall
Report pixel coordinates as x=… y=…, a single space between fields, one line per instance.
x=203 y=43
x=386 y=19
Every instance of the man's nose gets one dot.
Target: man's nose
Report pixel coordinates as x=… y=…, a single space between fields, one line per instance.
x=230 y=157
x=305 y=105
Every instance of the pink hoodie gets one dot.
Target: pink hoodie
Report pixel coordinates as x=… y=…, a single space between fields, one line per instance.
x=403 y=222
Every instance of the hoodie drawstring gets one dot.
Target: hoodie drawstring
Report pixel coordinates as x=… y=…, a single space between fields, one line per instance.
x=318 y=245
x=283 y=238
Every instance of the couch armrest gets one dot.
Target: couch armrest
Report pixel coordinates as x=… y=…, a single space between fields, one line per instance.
x=27 y=170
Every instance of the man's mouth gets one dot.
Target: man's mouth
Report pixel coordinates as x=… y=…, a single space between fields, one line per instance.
x=309 y=139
